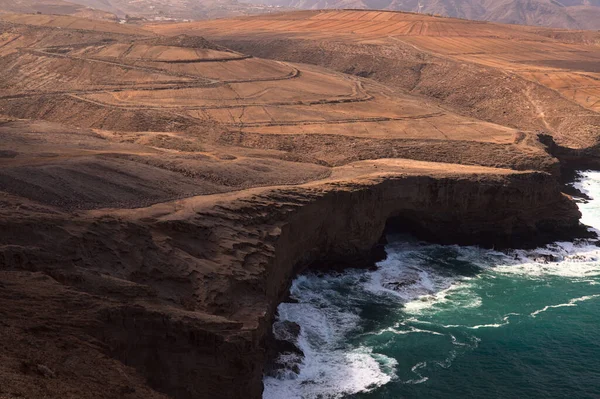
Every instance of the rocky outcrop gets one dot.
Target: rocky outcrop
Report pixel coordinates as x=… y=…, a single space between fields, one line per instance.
x=572 y=158
x=185 y=292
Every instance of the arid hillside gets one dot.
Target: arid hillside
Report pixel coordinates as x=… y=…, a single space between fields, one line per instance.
x=187 y=95
x=523 y=77
x=571 y=14
x=54 y=7
x=159 y=191
x=169 y=10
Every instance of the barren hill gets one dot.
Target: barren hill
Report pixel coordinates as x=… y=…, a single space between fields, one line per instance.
x=524 y=77
x=570 y=14
x=54 y=7
x=190 y=90
x=159 y=191
x=159 y=10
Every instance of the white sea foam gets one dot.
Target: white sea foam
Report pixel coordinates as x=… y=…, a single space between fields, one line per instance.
x=456 y=342
x=446 y=363
x=590 y=185
x=404 y=277
x=331 y=375
x=333 y=368
x=404 y=329
x=415 y=369
x=572 y=302
x=330 y=368
x=459 y=295
x=569 y=260
x=505 y=322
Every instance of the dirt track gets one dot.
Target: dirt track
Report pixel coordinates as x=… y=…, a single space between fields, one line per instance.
x=523 y=77
x=128 y=84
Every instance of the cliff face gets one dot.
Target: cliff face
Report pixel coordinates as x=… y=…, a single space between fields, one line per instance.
x=184 y=293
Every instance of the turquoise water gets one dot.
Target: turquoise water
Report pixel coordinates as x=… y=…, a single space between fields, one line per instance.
x=452 y=322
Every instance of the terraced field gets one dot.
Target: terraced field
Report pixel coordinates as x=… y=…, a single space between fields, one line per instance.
x=524 y=77
x=182 y=93
x=373 y=24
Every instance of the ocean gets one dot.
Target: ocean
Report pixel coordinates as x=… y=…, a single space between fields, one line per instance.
x=438 y=321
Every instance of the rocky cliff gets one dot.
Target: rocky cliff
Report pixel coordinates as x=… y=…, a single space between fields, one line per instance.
x=183 y=293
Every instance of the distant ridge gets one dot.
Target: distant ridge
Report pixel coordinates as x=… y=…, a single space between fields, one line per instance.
x=567 y=14
x=54 y=7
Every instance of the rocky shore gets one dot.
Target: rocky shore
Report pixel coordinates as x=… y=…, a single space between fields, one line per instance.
x=184 y=293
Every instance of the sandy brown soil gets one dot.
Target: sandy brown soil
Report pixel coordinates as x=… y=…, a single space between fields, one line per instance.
x=524 y=77
x=181 y=94
x=158 y=194
x=54 y=7
x=567 y=14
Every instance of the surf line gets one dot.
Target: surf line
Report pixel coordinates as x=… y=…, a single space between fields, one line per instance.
x=572 y=302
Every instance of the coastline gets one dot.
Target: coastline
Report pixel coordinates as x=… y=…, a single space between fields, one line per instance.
x=209 y=273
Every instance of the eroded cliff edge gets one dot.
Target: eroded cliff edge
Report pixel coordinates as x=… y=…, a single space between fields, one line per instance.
x=181 y=295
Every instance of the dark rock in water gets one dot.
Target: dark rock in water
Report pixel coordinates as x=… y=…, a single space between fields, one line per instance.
x=394 y=285
x=581 y=258
x=286 y=331
x=284 y=355
x=288 y=298
x=546 y=258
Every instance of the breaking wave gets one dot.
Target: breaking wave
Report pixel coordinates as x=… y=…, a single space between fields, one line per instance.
x=425 y=307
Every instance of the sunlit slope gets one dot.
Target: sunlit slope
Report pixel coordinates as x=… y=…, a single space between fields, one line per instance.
x=70 y=22
x=570 y=68
x=569 y=14
x=208 y=118
x=54 y=7
x=439 y=57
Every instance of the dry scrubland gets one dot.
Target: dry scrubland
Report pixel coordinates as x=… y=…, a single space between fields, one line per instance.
x=527 y=78
x=54 y=7
x=159 y=191
x=214 y=119
x=567 y=14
